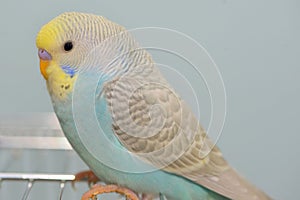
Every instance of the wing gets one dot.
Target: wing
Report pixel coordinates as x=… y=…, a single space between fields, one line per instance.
x=152 y=121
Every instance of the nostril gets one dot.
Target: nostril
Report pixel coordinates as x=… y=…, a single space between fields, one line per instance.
x=44 y=55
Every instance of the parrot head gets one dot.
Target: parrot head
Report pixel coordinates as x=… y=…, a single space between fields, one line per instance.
x=65 y=41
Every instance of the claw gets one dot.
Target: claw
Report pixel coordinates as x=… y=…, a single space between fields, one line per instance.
x=100 y=189
x=88 y=175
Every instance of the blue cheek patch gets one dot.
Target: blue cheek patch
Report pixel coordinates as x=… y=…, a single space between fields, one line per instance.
x=68 y=70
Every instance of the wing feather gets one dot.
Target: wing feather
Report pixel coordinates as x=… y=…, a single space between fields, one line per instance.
x=153 y=122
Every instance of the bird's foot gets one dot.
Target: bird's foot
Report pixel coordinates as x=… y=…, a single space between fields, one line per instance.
x=88 y=176
x=100 y=189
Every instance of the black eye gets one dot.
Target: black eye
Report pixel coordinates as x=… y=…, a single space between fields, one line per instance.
x=68 y=46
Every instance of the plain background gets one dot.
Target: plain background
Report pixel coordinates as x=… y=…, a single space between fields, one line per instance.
x=254 y=43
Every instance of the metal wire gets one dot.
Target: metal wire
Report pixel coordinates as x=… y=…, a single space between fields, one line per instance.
x=62 y=187
x=36 y=177
x=27 y=191
x=33 y=178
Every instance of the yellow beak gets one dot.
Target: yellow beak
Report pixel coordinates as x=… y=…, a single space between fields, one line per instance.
x=43 y=67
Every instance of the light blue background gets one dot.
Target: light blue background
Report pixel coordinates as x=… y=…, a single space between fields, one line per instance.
x=254 y=43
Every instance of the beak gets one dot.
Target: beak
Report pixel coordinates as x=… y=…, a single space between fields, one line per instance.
x=45 y=59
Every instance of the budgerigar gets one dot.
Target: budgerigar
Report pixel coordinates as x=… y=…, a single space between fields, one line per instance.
x=148 y=139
